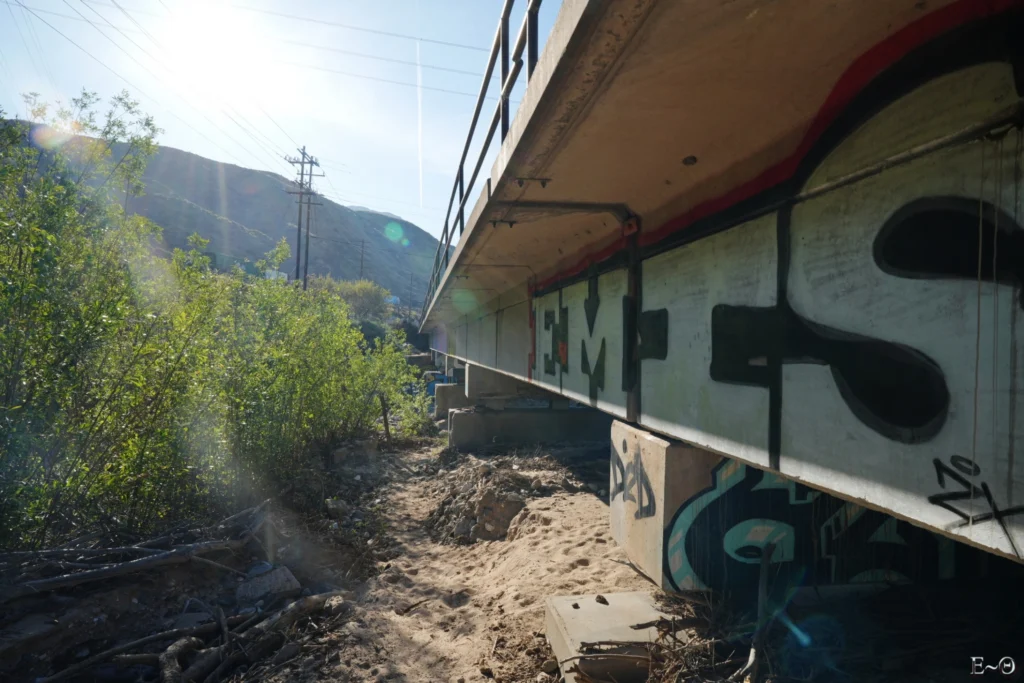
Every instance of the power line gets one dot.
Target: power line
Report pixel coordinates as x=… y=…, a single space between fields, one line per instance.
x=130 y=84
x=132 y=19
x=324 y=22
x=58 y=14
x=42 y=54
x=382 y=80
x=309 y=66
x=276 y=154
x=24 y=42
x=161 y=80
x=406 y=62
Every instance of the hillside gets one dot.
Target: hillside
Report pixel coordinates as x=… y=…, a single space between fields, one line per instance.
x=245 y=212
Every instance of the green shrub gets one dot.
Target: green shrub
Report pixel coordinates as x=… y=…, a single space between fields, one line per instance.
x=136 y=390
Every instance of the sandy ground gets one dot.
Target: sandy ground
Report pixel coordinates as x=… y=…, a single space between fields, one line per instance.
x=483 y=604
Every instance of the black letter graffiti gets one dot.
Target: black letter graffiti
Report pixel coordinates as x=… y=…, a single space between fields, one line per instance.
x=633 y=476
x=960 y=467
x=559 y=345
x=595 y=372
x=897 y=391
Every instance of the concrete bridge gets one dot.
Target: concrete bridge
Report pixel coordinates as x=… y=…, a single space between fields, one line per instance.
x=780 y=243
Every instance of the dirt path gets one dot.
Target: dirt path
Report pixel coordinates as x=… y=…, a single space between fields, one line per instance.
x=479 y=608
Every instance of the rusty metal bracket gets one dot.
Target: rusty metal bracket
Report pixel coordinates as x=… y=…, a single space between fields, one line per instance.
x=629 y=221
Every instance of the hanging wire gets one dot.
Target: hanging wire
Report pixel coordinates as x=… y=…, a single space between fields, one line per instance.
x=977 y=342
x=995 y=292
x=1014 y=304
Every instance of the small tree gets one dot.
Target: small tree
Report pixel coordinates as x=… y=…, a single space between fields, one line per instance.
x=366 y=299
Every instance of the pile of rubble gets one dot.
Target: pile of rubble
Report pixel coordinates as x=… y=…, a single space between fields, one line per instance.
x=220 y=600
x=481 y=498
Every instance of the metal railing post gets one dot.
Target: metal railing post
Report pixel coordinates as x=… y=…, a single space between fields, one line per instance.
x=531 y=36
x=504 y=70
x=462 y=197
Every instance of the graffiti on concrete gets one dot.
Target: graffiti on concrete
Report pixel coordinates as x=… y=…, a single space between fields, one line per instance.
x=631 y=481
x=897 y=391
x=559 y=341
x=715 y=540
x=957 y=472
x=595 y=372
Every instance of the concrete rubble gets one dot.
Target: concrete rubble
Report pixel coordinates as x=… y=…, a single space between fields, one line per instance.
x=279 y=583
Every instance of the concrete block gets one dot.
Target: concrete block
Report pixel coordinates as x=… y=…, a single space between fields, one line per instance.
x=482 y=382
x=694 y=520
x=279 y=583
x=474 y=428
x=451 y=364
x=571 y=620
x=447 y=397
x=651 y=478
x=420 y=360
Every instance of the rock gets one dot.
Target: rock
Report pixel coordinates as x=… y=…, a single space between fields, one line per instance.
x=549 y=666
x=259 y=569
x=487 y=671
x=537 y=484
x=462 y=528
x=358 y=477
x=601 y=600
x=287 y=652
x=336 y=605
x=357 y=631
x=542 y=678
x=483 y=469
x=279 y=583
x=192 y=619
x=336 y=508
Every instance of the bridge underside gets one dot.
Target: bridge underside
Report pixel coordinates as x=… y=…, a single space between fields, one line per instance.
x=784 y=232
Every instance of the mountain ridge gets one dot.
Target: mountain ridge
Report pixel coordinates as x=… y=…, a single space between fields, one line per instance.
x=245 y=212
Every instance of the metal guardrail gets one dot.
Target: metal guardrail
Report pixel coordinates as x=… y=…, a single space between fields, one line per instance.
x=511 y=66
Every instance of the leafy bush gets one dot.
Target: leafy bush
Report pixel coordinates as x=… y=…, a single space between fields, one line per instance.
x=137 y=388
x=367 y=299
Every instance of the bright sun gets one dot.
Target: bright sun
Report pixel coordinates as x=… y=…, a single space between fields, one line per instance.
x=214 y=50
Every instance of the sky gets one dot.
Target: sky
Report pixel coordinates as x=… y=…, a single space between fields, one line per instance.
x=247 y=82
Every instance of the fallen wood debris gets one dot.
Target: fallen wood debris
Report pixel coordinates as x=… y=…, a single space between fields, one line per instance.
x=203 y=652
x=95 y=565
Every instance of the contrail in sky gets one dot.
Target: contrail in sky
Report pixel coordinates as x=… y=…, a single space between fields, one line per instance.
x=419 y=106
x=419 y=115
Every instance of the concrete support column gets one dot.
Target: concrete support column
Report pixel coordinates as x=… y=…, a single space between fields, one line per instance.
x=651 y=477
x=520 y=426
x=693 y=520
x=448 y=397
x=485 y=384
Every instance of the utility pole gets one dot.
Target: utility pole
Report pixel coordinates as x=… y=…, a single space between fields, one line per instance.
x=305 y=192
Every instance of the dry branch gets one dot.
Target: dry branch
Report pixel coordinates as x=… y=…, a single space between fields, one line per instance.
x=205 y=629
x=254 y=644
x=170 y=667
x=176 y=556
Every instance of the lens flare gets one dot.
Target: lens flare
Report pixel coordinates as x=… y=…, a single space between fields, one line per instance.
x=49 y=138
x=464 y=301
x=393 y=231
x=405 y=241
